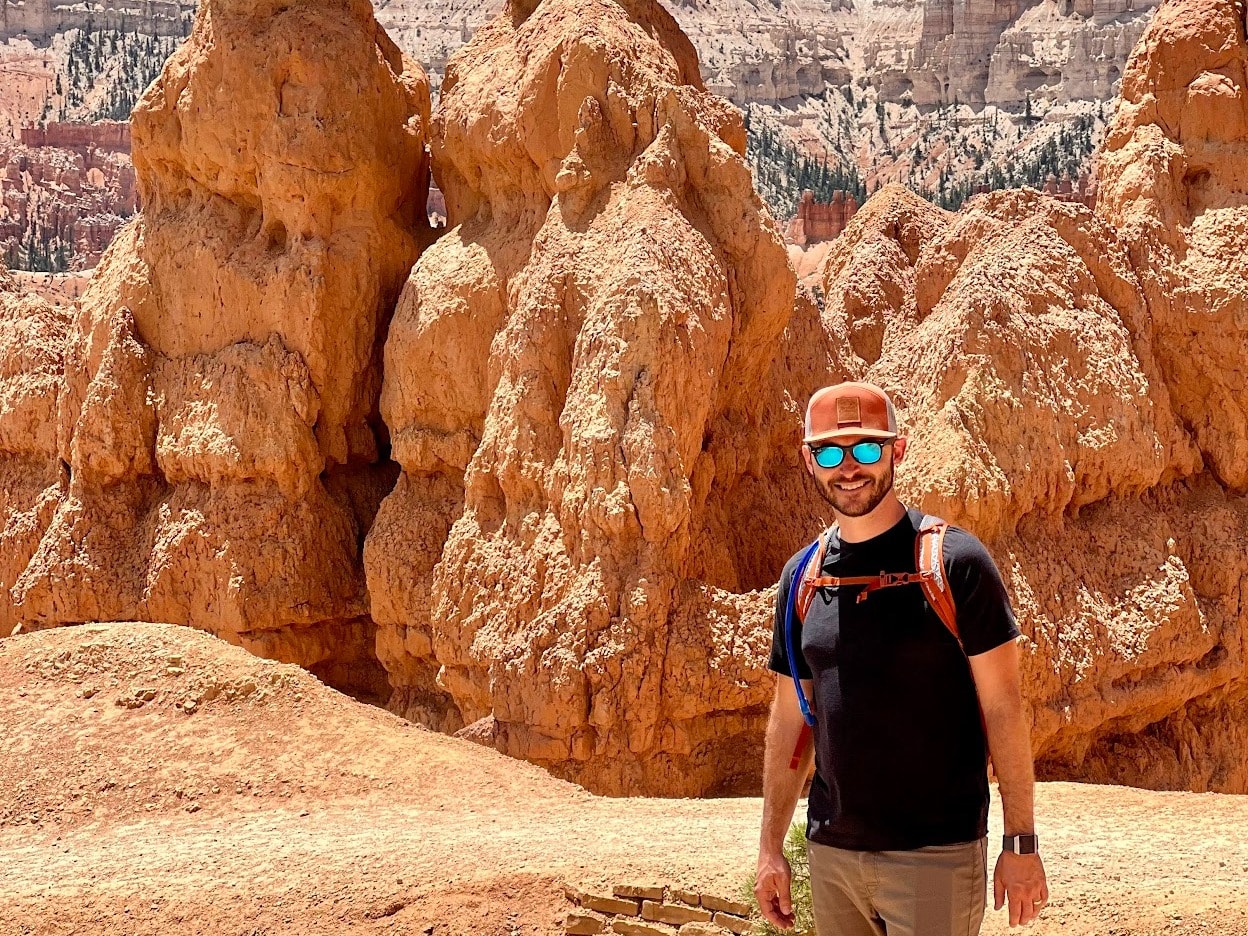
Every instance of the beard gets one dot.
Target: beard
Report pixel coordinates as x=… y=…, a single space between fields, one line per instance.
x=861 y=502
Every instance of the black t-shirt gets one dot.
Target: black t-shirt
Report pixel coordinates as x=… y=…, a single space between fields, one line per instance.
x=900 y=755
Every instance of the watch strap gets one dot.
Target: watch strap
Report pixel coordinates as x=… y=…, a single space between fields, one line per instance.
x=1020 y=844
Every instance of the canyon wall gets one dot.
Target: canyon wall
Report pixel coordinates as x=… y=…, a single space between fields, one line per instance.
x=39 y=20
x=534 y=481
x=218 y=417
x=61 y=206
x=935 y=50
x=571 y=382
x=105 y=135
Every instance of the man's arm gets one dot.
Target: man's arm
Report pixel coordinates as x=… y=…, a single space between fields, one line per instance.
x=782 y=786
x=1020 y=878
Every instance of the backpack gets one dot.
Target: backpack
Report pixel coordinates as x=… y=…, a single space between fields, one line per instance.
x=930 y=560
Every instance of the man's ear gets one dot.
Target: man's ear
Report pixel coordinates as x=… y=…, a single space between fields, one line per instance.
x=899 y=450
x=810 y=464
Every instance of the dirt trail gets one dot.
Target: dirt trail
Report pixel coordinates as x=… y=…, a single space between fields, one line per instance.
x=274 y=805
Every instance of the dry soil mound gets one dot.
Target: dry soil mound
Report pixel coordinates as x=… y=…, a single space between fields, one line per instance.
x=115 y=722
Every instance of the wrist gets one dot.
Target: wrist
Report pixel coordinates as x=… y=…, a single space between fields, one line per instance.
x=769 y=848
x=768 y=859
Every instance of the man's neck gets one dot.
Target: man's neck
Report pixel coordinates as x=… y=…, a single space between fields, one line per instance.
x=860 y=529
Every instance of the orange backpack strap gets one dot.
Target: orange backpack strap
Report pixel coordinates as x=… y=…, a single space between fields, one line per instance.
x=930 y=547
x=930 y=559
x=808 y=579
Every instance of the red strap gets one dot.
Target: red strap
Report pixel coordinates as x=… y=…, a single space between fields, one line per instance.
x=870 y=582
x=808 y=576
x=799 y=749
x=930 y=547
x=883 y=580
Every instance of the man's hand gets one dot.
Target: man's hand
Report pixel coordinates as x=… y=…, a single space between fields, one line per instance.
x=1021 y=879
x=773 y=890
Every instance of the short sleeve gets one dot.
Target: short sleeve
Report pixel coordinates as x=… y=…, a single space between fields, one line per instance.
x=985 y=618
x=779 y=661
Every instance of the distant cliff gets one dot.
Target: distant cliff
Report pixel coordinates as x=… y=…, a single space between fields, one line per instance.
x=64 y=192
x=932 y=52
x=109 y=135
x=943 y=96
x=41 y=19
x=948 y=98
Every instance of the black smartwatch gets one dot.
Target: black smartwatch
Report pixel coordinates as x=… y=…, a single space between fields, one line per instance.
x=1020 y=844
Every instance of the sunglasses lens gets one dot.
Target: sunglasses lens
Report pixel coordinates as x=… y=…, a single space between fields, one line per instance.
x=829 y=456
x=867 y=453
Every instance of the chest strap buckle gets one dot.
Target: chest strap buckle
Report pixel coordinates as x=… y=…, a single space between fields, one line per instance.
x=888 y=580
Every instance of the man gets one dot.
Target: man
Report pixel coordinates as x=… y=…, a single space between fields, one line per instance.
x=898 y=805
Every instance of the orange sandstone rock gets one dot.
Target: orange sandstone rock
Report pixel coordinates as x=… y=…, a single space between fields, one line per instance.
x=1174 y=182
x=593 y=387
x=1040 y=419
x=1033 y=362
x=32 y=347
x=219 y=409
x=550 y=569
x=572 y=386
x=1174 y=171
x=1028 y=372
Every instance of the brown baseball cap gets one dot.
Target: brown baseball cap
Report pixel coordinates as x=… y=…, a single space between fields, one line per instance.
x=850 y=410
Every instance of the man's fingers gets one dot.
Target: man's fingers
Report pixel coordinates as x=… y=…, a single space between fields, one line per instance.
x=771 y=913
x=1030 y=911
x=1020 y=882
x=775 y=916
x=1036 y=907
x=766 y=901
x=1039 y=903
x=774 y=900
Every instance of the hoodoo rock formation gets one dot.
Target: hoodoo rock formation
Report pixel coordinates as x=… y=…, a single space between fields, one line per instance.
x=218 y=417
x=572 y=383
x=1175 y=166
x=32 y=481
x=1032 y=350
x=592 y=385
x=1019 y=340
x=1072 y=390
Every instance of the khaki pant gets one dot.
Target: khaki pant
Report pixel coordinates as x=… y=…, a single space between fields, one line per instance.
x=934 y=891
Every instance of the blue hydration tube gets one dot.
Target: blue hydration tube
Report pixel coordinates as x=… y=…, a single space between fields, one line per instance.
x=790 y=609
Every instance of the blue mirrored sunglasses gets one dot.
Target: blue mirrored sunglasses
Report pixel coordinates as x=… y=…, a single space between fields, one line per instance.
x=831 y=455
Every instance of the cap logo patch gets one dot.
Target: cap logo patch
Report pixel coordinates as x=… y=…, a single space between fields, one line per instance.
x=848 y=411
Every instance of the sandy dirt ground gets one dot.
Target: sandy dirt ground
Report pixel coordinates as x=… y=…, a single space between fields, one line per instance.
x=155 y=780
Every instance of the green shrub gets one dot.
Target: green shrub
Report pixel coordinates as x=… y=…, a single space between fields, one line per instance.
x=803 y=906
